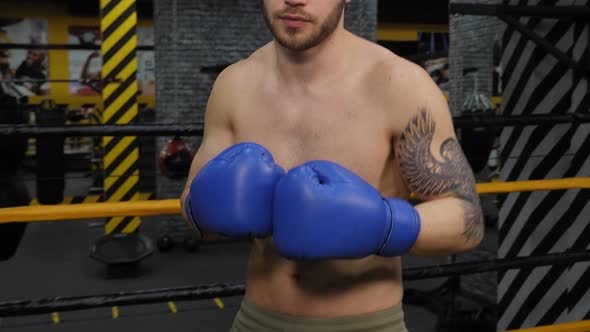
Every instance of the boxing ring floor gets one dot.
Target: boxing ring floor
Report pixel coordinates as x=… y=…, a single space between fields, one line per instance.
x=53 y=260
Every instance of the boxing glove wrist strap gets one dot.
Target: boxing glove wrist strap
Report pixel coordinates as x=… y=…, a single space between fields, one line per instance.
x=404 y=227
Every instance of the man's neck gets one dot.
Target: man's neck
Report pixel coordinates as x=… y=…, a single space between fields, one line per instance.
x=315 y=65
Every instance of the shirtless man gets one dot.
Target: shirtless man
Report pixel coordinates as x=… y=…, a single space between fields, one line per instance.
x=312 y=146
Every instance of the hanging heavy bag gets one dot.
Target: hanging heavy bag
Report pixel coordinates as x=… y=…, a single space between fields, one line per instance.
x=175 y=158
x=13 y=191
x=50 y=157
x=477 y=142
x=13 y=194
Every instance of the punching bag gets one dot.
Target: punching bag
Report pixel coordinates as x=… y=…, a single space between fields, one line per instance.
x=13 y=191
x=50 y=157
x=175 y=159
x=477 y=142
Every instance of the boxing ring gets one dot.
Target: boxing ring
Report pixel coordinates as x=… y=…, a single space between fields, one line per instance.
x=147 y=208
x=215 y=291
x=54 y=213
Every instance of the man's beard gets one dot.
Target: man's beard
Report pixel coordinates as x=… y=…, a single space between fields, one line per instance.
x=291 y=41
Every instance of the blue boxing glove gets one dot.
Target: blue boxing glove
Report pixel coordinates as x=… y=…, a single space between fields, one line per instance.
x=324 y=211
x=232 y=194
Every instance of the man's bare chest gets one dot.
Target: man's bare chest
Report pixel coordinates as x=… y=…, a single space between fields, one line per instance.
x=345 y=129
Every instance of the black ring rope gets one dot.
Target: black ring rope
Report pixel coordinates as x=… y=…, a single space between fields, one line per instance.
x=87 y=175
x=61 y=304
x=470 y=121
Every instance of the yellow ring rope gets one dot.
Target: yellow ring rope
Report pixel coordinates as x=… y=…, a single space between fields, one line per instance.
x=580 y=326
x=42 y=213
x=533 y=185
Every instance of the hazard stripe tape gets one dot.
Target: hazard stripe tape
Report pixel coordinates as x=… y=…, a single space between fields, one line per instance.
x=119 y=45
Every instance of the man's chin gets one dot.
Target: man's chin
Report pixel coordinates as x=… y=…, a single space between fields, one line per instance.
x=294 y=47
x=294 y=44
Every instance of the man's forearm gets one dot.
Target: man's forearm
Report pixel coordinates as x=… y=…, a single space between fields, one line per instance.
x=448 y=226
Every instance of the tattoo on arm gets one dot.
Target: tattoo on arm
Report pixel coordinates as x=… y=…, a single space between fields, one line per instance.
x=429 y=177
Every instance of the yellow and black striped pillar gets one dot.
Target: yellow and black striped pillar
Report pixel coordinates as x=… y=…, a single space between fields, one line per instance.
x=118 y=26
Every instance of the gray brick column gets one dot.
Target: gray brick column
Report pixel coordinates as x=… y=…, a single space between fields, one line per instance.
x=471 y=45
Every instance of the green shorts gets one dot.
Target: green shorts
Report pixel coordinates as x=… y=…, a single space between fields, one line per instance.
x=253 y=318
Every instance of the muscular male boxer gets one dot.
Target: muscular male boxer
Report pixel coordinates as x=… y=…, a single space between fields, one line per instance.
x=311 y=147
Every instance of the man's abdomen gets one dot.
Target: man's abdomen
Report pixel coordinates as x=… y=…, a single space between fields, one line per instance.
x=321 y=289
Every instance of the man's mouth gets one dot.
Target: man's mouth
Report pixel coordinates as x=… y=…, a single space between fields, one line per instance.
x=293 y=21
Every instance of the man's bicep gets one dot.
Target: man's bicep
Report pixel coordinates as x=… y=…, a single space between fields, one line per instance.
x=431 y=159
x=217 y=135
x=217 y=129
x=432 y=162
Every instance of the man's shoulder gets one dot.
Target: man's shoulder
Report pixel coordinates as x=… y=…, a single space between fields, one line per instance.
x=244 y=69
x=395 y=68
x=233 y=73
x=405 y=86
x=396 y=73
x=391 y=74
